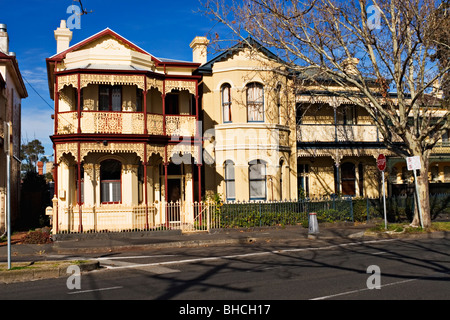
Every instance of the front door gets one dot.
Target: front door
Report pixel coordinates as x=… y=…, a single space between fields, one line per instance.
x=174 y=198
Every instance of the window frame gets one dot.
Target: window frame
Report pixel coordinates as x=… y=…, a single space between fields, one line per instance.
x=110 y=97
x=262 y=179
x=110 y=182
x=253 y=104
x=226 y=105
x=228 y=180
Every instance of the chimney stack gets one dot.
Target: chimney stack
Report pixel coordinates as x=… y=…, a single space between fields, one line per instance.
x=199 y=49
x=40 y=166
x=63 y=35
x=4 y=39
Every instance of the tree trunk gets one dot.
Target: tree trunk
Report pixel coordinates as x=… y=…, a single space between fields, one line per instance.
x=423 y=190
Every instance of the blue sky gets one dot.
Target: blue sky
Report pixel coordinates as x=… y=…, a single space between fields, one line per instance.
x=163 y=28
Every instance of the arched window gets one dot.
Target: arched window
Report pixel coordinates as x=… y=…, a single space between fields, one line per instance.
x=281 y=179
x=257 y=179
x=230 y=180
x=226 y=102
x=110 y=181
x=255 y=102
x=278 y=99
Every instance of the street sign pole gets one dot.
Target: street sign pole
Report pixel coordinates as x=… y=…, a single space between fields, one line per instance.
x=384 y=201
x=6 y=144
x=418 y=199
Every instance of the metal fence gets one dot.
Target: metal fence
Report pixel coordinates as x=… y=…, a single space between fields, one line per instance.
x=204 y=216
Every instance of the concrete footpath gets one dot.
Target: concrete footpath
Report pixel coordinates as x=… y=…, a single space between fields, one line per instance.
x=33 y=261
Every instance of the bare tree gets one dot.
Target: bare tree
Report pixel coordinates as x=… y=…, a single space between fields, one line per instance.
x=390 y=45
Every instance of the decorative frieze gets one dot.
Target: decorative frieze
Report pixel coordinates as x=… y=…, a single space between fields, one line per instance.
x=181 y=85
x=112 y=79
x=112 y=147
x=156 y=149
x=66 y=148
x=67 y=80
x=155 y=83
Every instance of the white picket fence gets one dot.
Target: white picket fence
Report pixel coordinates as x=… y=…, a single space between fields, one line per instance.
x=188 y=217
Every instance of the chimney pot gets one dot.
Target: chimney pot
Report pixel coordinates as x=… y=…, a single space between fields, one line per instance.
x=4 y=39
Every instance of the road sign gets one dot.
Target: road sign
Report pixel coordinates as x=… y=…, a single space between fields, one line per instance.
x=413 y=163
x=381 y=162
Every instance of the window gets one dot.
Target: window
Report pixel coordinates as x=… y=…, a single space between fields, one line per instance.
x=303 y=180
x=281 y=179
x=229 y=180
x=172 y=103
x=110 y=181
x=257 y=180
x=110 y=98
x=255 y=102
x=347 y=115
x=139 y=98
x=278 y=98
x=348 y=179
x=226 y=102
x=81 y=199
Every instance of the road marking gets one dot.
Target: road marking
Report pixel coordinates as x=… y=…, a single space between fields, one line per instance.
x=382 y=286
x=245 y=255
x=135 y=257
x=93 y=290
x=361 y=290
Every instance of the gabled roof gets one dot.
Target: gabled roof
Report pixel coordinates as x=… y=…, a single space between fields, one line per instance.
x=105 y=32
x=207 y=67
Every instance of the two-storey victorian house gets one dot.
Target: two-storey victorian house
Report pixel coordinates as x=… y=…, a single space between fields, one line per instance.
x=125 y=134
x=249 y=108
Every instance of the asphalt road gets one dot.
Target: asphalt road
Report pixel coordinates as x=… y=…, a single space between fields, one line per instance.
x=408 y=270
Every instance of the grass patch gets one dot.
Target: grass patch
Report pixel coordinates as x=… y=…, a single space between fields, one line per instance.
x=39 y=265
x=399 y=227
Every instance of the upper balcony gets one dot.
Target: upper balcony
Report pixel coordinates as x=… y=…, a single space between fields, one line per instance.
x=338 y=133
x=127 y=108
x=104 y=122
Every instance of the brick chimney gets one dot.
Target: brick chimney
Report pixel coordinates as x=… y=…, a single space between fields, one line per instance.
x=199 y=49
x=63 y=35
x=40 y=166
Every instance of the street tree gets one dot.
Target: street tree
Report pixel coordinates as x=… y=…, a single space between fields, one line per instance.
x=394 y=46
x=31 y=153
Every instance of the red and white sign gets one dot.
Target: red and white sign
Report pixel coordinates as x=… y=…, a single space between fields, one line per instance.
x=381 y=162
x=413 y=163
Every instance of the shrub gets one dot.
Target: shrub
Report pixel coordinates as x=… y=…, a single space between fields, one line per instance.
x=36 y=237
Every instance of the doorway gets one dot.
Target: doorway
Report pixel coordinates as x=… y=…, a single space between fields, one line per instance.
x=174 y=198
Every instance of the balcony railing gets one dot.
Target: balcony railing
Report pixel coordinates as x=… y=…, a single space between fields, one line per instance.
x=101 y=122
x=337 y=133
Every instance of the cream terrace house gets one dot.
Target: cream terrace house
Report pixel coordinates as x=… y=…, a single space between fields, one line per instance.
x=125 y=134
x=141 y=142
